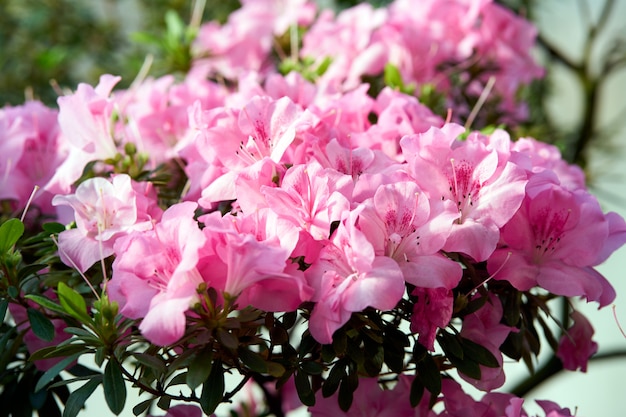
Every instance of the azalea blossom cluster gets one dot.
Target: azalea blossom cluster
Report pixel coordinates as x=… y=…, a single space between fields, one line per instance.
x=219 y=213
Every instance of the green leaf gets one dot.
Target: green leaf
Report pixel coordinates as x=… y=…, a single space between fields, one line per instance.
x=175 y=25
x=77 y=399
x=466 y=366
x=227 y=339
x=29 y=270
x=392 y=77
x=428 y=372
x=252 y=360
x=417 y=392
x=335 y=376
x=349 y=384
x=142 y=407
x=114 y=387
x=312 y=368
x=479 y=353
x=10 y=232
x=51 y=373
x=154 y=362
x=303 y=387
x=53 y=227
x=199 y=369
x=450 y=344
x=40 y=325
x=73 y=303
x=4 y=304
x=213 y=389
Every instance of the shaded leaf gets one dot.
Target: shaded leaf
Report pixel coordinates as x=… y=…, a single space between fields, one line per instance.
x=40 y=325
x=252 y=360
x=479 y=353
x=303 y=387
x=428 y=372
x=114 y=387
x=51 y=373
x=77 y=399
x=142 y=407
x=199 y=369
x=213 y=389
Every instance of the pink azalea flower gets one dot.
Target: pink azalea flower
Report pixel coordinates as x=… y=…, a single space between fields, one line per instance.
x=373 y=400
x=476 y=176
x=87 y=125
x=432 y=311
x=103 y=211
x=31 y=149
x=264 y=128
x=248 y=258
x=155 y=274
x=404 y=225
x=311 y=198
x=348 y=277
x=576 y=346
x=547 y=243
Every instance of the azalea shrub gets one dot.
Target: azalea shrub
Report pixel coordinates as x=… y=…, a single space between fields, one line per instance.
x=325 y=211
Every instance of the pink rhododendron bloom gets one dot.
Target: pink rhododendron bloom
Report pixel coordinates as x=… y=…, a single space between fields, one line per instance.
x=344 y=39
x=432 y=311
x=311 y=198
x=248 y=258
x=155 y=274
x=539 y=157
x=264 y=128
x=403 y=224
x=547 y=243
x=476 y=176
x=373 y=400
x=103 y=211
x=31 y=149
x=348 y=277
x=87 y=123
x=576 y=346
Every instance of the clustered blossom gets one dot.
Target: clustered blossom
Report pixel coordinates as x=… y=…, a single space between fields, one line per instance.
x=321 y=195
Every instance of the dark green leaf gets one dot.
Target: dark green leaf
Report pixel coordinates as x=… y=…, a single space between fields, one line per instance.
x=13 y=292
x=29 y=270
x=227 y=339
x=10 y=232
x=335 y=376
x=307 y=344
x=199 y=369
x=40 y=325
x=417 y=392
x=466 y=366
x=53 y=228
x=4 y=304
x=151 y=361
x=312 y=368
x=77 y=399
x=252 y=360
x=450 y=344
x=349 y=384
x=46 y=303
x=479 y=353
x=213 y=389
x=51 y=373
x=428 y=372
x=142 y=407
x=73 y=303
x=275 y=369
x=303 y=387
x=164 y=402
x=114 y=387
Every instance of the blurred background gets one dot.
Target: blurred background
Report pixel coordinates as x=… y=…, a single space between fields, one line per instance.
x=50 y=45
